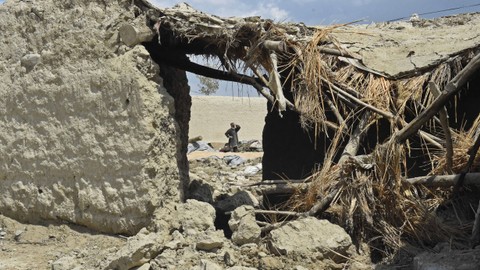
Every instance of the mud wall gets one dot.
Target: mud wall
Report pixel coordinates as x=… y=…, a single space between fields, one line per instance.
x=87 y=131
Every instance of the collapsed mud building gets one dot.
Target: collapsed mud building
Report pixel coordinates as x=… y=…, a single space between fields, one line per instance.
x=373 y=126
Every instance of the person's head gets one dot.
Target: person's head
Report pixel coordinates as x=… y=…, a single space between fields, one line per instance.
x=232 y=124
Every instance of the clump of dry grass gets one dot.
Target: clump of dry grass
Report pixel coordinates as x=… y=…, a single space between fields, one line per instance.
x=376 y=206
x=462 y=141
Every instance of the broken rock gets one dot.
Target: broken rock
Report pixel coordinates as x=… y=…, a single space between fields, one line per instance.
x=136 y=252
x=244 y=226
x=196 y=215
x=211 y=241
x=237 y=200
x=309 y=235
x=207 y=265
x=30 y=60
x=65 y=263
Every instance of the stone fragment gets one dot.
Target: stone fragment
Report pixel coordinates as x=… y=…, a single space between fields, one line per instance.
x=64 y=263
x=137 y=251
x=30 y=60
x=229 y=258
x=207 y=265
x=177 y=241
x=244 y=226
x=238 y=199
x=309 y=235
x=211 y=241
x=271 y=263
x=143 y=267
x=196 y=215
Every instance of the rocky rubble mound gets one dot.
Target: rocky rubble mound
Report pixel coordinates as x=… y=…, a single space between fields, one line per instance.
x=191 y=235
x=184 y=237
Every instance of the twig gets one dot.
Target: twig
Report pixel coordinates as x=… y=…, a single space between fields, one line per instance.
x=430 y=138
x=271 y=227
x=445 y=180
x=275 y=212
x=452 y=87
x=279 y=188
x=385 y=114
x=334 y=109
x=281 y=46
x=183 y=63
x=323 y=204
x=275 y=182
x=446 y=128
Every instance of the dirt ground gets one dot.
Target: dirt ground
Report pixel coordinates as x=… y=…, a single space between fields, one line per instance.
x=39 y=246
x=211 y=117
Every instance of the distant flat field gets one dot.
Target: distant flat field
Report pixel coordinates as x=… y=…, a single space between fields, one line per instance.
x=211 y=117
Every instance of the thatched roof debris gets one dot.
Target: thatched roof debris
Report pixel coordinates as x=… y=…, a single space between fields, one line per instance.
x=367 y=72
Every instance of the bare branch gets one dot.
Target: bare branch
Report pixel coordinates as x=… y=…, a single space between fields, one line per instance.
x=446 y=128
x=444 y=180
x=337 y=89
x=334 y=109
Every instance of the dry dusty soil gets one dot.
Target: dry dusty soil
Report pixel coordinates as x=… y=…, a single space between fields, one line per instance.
x=211 y=117
x=26 y=246
x=39 y=246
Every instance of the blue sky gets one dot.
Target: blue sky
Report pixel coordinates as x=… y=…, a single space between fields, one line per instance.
x=319 y=12
x=314 y=12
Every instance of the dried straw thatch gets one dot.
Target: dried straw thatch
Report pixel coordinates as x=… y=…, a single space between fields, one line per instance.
x=347 y=78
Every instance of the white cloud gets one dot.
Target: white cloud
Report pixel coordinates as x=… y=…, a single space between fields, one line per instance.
x=165 y=3
x=271 y=11
x=303 y=2
x=361 y=2
x=227 y=8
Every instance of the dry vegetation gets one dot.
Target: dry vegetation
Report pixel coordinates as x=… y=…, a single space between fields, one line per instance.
x=333 y=92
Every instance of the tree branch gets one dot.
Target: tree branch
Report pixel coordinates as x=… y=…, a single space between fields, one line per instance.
x=445 y=180
x=182 y=62
x=446 y=128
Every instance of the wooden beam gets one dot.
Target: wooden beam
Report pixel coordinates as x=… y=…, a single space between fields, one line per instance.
x=444 y=180
x=446 y=128
x=133 y=35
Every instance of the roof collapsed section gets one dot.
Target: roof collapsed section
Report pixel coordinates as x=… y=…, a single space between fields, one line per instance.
x=369 y=61
x=394 y=50
x=405 y=48
x=347 y=78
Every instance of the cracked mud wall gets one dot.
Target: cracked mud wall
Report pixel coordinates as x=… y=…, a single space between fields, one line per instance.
x=87 y=131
